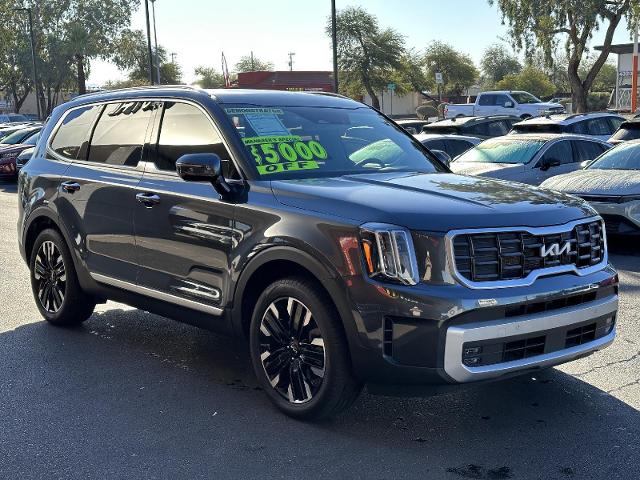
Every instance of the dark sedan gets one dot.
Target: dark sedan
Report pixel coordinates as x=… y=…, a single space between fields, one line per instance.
x=9 y=154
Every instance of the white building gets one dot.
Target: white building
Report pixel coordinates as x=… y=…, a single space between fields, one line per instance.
x=625 y=66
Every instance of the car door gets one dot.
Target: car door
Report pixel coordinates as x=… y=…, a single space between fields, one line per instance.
x=97 y=192
x=184 y=231
x=486 y=105
x=559 y=151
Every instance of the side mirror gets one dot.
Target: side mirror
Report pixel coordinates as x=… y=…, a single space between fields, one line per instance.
x=203 y=167
x=508 y=104
x=443 y=156
x=548 y=163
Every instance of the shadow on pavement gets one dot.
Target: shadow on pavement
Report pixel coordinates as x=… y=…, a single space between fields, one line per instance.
x=8 y=186
x=132 y=395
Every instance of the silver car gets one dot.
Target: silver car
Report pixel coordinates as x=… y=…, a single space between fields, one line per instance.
x=529 y=158
x=611 y=184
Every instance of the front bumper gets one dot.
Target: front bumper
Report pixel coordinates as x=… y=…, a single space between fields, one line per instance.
x=620 y=218
x=418 y=335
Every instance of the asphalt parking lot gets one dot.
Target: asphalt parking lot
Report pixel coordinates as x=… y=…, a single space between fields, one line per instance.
x=132 y=395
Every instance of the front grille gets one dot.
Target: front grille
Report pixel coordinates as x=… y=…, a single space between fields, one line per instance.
x=494 y=256
x=581 y=335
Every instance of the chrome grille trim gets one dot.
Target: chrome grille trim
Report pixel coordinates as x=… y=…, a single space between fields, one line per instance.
x=535 y=274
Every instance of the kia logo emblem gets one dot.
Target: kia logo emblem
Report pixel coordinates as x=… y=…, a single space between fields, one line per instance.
x=555 y=249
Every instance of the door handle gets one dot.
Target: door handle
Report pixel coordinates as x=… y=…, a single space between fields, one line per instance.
x=148 y=199
x=70 y=187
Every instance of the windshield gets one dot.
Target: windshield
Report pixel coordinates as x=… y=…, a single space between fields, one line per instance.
x=502 y=150
x=627 y=132
x=525 y=97
x=15 y=137
x=625 y=156
x=308 y=142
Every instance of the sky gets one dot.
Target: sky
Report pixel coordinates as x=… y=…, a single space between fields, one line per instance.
x=199 y=30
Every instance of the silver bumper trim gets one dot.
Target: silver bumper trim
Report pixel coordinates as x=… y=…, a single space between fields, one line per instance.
x=459 y=335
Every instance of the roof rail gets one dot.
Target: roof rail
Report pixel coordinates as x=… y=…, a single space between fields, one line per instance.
x=141 y=87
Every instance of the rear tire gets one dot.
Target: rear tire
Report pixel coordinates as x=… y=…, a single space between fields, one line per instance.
x=54 y=283
x=299 y=351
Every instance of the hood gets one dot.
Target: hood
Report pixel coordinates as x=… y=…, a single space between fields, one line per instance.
x=436 y=202
x=597 y=182
x=488 y=169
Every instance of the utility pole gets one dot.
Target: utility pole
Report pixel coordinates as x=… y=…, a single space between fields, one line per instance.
x=253 y=65
x=173 y=57
x=334 y=39
x=155 y=37
x=33 y=59
x=149 y=52
x=291 y=54
x=634 y=73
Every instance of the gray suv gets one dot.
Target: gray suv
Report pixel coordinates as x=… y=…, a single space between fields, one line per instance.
x=317 y=229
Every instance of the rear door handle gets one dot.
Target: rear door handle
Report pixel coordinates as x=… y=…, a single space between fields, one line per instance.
x=70 y=187
x=148 y=199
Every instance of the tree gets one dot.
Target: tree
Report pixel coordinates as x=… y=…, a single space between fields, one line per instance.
x=130 y=52
x=250 y=63
x=368 y=56
x=544 y=24
x=209 y=78
x=531 y=80
x=458 y=70
x=498 y=62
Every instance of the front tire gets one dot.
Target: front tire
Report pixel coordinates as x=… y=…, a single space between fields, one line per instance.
x=299 y=352
x=54 y=283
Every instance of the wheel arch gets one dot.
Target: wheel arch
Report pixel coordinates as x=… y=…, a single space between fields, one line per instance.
x=281 y=262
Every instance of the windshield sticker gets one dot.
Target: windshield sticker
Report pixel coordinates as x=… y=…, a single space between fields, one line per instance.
x=287 y=154
x=244 y=111
x=265 y=124
x=272 y=139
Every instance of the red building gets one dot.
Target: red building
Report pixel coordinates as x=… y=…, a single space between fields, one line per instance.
x=296 y=81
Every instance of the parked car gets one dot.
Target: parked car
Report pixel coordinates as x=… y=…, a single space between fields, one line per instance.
x=343 y=260
x=517 y=104
x=18 y=136
x=452 y=145
x=412 y=125
x=480 y=127
x=628 y=130
x=611 y=184
x=6 y=131
x=598 y=124
x=529 y=158
x=9 y=155
x=24 y=157
x=13 y=118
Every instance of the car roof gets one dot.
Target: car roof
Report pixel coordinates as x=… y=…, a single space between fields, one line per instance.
x=452 y=122
x=547 y=137
x=259 y=98
x=565 y=119
x=423 y=137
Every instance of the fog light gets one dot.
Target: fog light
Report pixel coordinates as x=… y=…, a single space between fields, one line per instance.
x=609 y=322
x=471 y=361
x=472 y=351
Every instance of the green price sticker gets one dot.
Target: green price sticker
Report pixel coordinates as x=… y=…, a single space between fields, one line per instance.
x=279 y=154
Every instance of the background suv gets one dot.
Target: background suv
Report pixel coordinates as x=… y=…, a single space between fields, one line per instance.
x=599 y=125
x=317 y=229
x=480 y=127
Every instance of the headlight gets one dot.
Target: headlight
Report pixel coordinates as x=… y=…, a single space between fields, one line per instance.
x=388 y=253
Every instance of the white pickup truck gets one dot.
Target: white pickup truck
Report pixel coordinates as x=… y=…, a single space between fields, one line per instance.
x=517 y=104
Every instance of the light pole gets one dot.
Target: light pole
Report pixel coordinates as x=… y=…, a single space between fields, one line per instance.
x=291 y=54
x=146 y=14
x=334 y=39
x=33 y=58
x=155 y=37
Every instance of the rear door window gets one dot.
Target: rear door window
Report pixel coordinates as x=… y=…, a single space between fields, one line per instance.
x=487 y=100
x=457 y=147
x=599 y=126
x=497 y=128
x=71 y=140
x=119 y=136
x=579 y=128
x=477 y=129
